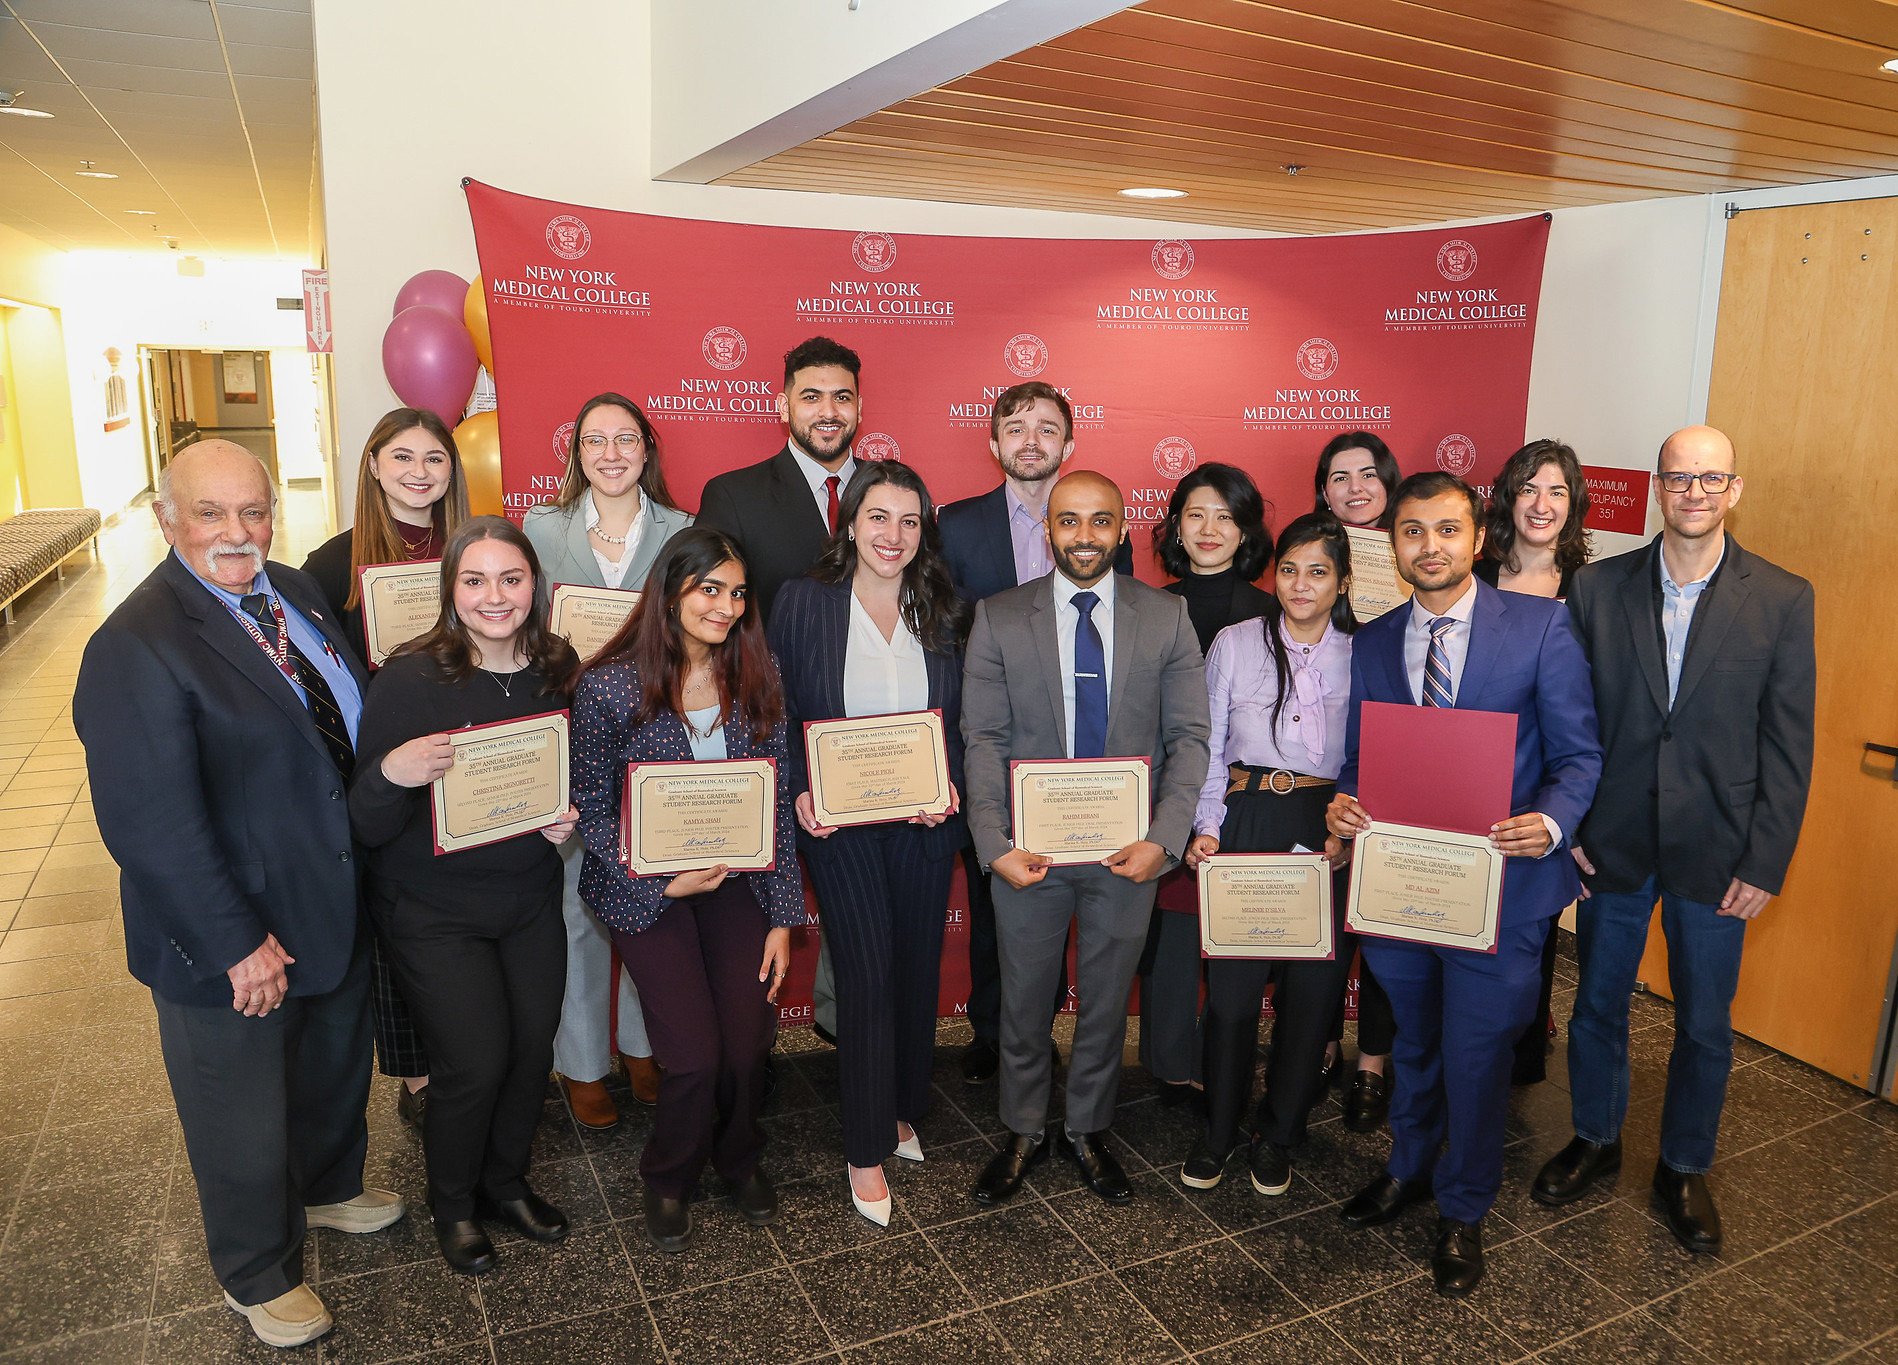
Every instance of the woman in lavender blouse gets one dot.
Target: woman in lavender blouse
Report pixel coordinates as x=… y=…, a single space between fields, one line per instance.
x=1278 y=686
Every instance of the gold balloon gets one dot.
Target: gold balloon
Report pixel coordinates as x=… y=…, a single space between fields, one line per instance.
x=474 y=315
x=478 y=440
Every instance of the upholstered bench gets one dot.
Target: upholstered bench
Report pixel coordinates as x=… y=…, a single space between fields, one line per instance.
x=37 y=543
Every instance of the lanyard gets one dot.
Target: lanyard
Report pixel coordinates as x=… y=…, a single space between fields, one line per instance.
x=279 y=653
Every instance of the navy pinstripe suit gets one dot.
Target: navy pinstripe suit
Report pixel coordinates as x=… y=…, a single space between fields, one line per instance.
x=883 y=889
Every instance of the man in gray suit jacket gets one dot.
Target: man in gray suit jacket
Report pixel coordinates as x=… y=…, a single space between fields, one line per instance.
x=1084 y=663
x=1704 y=673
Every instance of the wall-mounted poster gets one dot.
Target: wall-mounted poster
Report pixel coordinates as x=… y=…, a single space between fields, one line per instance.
x=240 y=376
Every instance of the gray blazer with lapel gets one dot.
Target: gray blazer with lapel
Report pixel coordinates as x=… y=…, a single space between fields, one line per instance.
x=1713 y=787
x=559 y=537
x=1012 y=705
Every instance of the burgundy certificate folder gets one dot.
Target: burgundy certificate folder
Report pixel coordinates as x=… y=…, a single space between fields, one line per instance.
x=1435 y=766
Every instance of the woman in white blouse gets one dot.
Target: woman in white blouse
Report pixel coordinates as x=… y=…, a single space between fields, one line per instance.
x=604 y=528
x=877 y=628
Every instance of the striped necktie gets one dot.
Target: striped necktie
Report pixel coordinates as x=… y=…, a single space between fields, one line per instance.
x=1436 y=688
x=324 y=712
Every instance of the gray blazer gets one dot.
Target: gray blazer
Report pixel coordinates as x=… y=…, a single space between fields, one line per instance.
x=559 y=537
x=1012 y=705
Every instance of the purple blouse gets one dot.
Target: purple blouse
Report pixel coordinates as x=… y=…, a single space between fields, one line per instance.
x=1241 y=686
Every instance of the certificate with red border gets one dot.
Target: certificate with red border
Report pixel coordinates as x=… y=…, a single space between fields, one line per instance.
x=1079 y=810
x=682 y=817
x=508 y=778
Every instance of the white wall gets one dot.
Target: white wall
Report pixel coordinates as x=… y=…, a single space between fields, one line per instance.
x=394 y=145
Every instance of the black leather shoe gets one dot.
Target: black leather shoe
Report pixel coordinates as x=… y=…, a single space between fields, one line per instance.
x=668 y=1222
x=1567 y=1176
x=1366 y=1101
x=1688 y=1207
x=411 y=1106
x=1098 y=1167
x=1382 y=1200
x=757 y=1198
x=1009 y=1167
x=980 y=1061
x=823 y=1033
x=465 y=1247
x=530 y=1215
x=1457 y=1261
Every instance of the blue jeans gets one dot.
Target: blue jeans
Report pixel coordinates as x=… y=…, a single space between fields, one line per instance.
x=1703 y=948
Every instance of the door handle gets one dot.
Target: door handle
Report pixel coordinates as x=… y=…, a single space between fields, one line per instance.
x=1890 y=751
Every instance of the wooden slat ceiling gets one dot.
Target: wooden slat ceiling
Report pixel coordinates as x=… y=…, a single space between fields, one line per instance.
x=1397 y=112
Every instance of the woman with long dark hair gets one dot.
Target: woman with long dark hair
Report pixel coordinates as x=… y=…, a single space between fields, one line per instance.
x=688 y=677
x=1278 y=688
x=877 y=627
x=1354 y=481
x=411 y=495
x=1535 y=539
x=604 y=528
x=1214 y=543
x=474 y=936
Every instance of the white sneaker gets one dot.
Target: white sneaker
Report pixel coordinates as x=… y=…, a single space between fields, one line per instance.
x=370 y=1211
x=287 y=1320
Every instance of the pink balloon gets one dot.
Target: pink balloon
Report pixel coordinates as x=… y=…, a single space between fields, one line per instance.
x=441 y=289
x=430 y=361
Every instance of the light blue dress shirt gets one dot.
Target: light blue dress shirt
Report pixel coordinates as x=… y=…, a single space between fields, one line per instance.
x=1678 y=603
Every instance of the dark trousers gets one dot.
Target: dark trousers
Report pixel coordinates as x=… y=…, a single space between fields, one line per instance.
x=1377 y=1026
x=710 y=1026
x=1171 y=970
x=985 y=958
x=1305 y=999
x=884 y=904
x=272 y=1111
x=484 y=978
x=1459 y=1014
x=1532 y=1049
x=399 y=1049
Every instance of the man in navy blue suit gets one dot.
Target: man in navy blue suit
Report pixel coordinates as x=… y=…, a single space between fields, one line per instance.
x=1462 y=643
x=993 y=542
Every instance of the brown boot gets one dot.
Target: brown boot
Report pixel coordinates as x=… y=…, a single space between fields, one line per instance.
x=642 y=1073
x=592 y=1106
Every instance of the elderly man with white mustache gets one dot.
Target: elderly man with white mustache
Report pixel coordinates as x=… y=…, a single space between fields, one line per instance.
x=218 y=707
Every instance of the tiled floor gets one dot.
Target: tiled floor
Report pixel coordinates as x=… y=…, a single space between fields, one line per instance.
x=102 y=1258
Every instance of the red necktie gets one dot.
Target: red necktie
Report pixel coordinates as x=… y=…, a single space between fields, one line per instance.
x=830 y=490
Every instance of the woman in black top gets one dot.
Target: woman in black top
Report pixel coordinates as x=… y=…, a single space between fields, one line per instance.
x=475 y=936
x=1213 y=543
x=1534 y=540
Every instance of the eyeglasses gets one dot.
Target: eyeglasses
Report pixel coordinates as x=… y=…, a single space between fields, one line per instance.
x=626 y=442
x=1713 y=481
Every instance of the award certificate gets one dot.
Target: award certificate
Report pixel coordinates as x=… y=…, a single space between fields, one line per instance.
x=1265 y=905
x=589 y=617
x=509 y=778
x=1078 y=810
x=399 y=603
x=681 y=817
x=1375 y=586
x=1429 y=886
x=868 y=769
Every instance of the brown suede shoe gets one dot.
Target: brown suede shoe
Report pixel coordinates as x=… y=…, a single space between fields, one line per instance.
x=592 y=1106
x=642 y=1074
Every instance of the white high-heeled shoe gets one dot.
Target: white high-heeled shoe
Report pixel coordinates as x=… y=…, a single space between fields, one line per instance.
x=876 y=1210
x=911 y=1147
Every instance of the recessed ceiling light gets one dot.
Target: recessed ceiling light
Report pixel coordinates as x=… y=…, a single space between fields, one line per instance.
x=1153 y=192
x=1891 y=66
x=97 y=175
x=24 y=113
x=146 y=213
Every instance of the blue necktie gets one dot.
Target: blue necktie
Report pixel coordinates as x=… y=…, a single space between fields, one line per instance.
x=1090 y=682
x=1436 y=688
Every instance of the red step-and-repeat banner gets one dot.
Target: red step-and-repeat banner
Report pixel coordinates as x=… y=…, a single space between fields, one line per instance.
x=1174 y=353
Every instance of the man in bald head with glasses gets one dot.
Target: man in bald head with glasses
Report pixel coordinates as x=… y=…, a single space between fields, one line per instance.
x=1703 y=671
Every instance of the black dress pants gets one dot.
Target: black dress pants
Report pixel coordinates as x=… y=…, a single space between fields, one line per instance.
x=272 y=1110
x=884 y=903
x=483 y=976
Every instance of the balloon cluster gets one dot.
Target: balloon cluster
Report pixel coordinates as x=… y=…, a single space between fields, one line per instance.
x=431 y=354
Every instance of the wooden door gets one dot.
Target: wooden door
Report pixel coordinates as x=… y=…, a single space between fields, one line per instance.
x=1805 y=381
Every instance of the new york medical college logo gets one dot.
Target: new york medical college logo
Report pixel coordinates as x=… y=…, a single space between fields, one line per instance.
x=877 y=445
x=1172 y=260
x=569 y=238
x=1317 y=359
x=563 y=441
x=1456 y=454
x=1456 y=260
x=873 y=251
x=1174 y=457
x=724 y=348
x=1025 y=354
